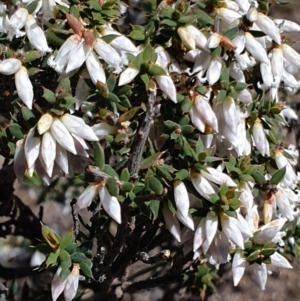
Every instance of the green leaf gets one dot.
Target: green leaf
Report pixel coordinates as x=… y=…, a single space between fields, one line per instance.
x=240 y=86
x=129 y=114
x=154 y=207
x=156 y=70
x=150 y=161
x=49 y=95
x=86 y=267
x=30 y=56
x=278 y=176
x=125 y=175
x=71 y=248
x=65 y=256
x=149 y=54
x=181 y=174
x=67 y=240
x=52 y=259
x=31 y=7
x=155 y=185
x=137 y=35
x=63 y=87
x=99 y=156
x=16 y=131
x=232 y=32
x=28 y=116
x=127 y=187
x=221 y=95
x=67 y=102
x=168 y=22
x=111 y=82
x=253 y=256
x=224 y=78
x=112 y=187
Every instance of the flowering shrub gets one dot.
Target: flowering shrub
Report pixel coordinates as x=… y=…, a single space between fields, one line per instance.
x=172 y=127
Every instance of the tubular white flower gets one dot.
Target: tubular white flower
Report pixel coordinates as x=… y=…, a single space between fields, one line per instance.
x=268 y=27
x=196 y=119
x=95 y=68
x=202 y=185
x=77 y=126
x=277 y=64
x=214 y=71
x=166 y=84
x=236 y=73
x=57 y=285
x=286 y=25
x=172 y=223
x=266 y=73
x=102 y=129
x=280 y=261
x=214 y=40
x=217 y=177
x=199 y=236
x=32 y=147
x=211 y=227
x=239 y=41
x=48 y=152
x=291 y=55
x=202 y=62
x=206 y=113
x=77 y=56
x=181 y=197
x=255 y=48
x=61 y=158
x=87 y=196
x=24 y=87
x=108 y=54
x=261 y=274
x=231 y=230
x=228 y=15
x=36 y=35
x=186 y=220
x=238 y=267
x=187 y=38
x=15 y=23
x=62 y=136
x=128 y=75
x=44 y=123
x=62 y=57
x=199 y=38
x=20 y=160
x=246 y=196
x=10 y=66
x=71 y=285
x=110 y=204
x=260 y=139
x=244 y=5
x=283 y=204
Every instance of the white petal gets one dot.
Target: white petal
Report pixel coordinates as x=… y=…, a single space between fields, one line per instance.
x=172 y=223
x=181 y=197
x=128 y=75
x=24 y=86
x=77 y=126
x=261 y=274
x=32 y=147
x=218 y=177
x=48 y=151
x=95 y=69
x=166 y=84
x=57 y=286
x=110 y=204
x=238 y=267
x=231 y=230
x=62 y=136
x=86 y=197
x=280 y=261
x=186 y=220
x=199 y=236
x=61 y=159
x=211 y=227
x=102 y=129
x=256 y=49
x=20 y=160
x=10 y=66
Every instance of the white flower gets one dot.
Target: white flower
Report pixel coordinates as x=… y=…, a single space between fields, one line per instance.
x=166 y=84
x=291 y=55
x=187 y=38
x=238 y=267
x=181 y=197
x=44 y=123
x=69 y=286
x=286 y=25
x=214 y=71
x=217 y=177
x=110 y=204
x=15 y=23
x=24 y=86
x=128 y=75
x=95 y=69
x=36 y=35
x=87 y=196
x=48 y=152
x=268 y=27
x=260 y=139
x=77 y=126
x=277 y=64
x=255 y=48
x=32 y=147
x=62 y=57
x=102 y=129
x=204 y=187
x=10 y=66
x=172 y=223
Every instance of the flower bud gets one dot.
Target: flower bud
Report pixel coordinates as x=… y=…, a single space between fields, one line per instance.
x=291 y=55
x=166 y=84
x=186 y=37
x=44 y=123
x=268 y=27
x=181 y=197
x=24 y=87
x=87 y=196
x=172 y=223
x=255 y=48
x=128 y=75
x=10 y=66
x=260 y=139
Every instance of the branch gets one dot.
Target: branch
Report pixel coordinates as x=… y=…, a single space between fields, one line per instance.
x=142 y=136
x=75 y=217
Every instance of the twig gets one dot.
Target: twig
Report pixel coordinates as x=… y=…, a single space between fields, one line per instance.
x=161 y=256
x=75 y=217
x=143 y=133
